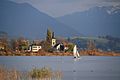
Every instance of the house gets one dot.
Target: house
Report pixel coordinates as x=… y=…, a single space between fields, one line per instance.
x=59 y=47
x=65 y=43
x=34 y=48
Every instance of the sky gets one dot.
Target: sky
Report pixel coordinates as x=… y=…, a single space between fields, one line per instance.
x=57 y=8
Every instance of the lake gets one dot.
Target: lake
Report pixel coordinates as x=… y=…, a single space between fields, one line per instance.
x=87 y=68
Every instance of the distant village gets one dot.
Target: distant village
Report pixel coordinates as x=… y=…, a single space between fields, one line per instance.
x=51 y=46
x=22 y=46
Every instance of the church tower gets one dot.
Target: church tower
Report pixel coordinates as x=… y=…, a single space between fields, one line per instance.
x=53 y=40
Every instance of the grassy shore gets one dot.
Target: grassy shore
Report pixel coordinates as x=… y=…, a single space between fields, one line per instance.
x=43 y=53
x=43 y=73
x=98 y=53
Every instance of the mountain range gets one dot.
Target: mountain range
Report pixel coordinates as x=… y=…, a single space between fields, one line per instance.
x=97 y=21
x=21 y=19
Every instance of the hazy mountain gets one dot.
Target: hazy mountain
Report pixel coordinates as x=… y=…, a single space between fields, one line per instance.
x=21 y=19
x=95 y=21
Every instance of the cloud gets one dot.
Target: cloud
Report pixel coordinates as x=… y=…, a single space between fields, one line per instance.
x=57 y=8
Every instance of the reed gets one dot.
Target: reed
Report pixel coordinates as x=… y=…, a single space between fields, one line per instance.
x=9 y=74
x=44 y=73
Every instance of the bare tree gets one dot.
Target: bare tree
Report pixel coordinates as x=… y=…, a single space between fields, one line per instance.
x=91 y=45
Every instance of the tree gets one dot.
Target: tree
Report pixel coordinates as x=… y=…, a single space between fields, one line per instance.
x=70 y=47
x=49 y=36
x=23 y=44
x=91 y=45
x=4 y=40
x=19 y=44
x=48 y=39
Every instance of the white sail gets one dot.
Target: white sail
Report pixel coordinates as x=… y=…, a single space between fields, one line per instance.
x=75 y=52
x=78 y=55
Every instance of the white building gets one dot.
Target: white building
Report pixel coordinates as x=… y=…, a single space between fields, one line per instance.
x=34 y=48
x=53 y=40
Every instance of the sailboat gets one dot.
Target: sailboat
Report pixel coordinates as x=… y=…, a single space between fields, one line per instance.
x=75 y=53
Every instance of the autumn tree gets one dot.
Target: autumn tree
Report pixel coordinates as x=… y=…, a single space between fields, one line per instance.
x=4 y=40
x=15 y=44
x=23 y=43
x=19 y=44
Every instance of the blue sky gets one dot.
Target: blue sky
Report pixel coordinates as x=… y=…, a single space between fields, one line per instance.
x=56 y=8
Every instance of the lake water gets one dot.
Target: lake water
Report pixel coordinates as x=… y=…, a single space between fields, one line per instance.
x=87 y=68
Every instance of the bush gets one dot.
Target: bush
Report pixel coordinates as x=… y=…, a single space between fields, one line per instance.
x=70 y=47
x=41 y=73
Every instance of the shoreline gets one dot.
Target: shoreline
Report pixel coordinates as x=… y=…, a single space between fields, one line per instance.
x=43 y=53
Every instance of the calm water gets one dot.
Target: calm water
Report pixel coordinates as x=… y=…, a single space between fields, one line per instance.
x=87 y=68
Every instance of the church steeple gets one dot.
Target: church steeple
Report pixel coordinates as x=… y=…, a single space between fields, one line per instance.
x=53 y=39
